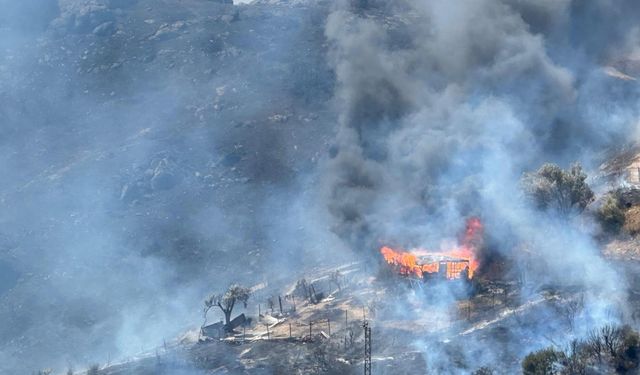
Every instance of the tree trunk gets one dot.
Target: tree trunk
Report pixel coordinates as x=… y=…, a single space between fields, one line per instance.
x=227 y=317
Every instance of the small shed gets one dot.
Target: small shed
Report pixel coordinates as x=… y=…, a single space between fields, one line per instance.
x=215 y=330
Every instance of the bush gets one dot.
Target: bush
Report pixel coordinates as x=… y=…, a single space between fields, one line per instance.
x=483 y=371
x=611 y=215
x=551 y=188
x=542 y=362
x=628 y=355
x=608 y=349
x=632 y=221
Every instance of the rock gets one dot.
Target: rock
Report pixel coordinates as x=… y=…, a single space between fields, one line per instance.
x=168 y=31
x=83 y=17
x=122 y=3
x=104 y=29
x=629 y=196
x=164 y=181
x=164 y=174
x=132 y=192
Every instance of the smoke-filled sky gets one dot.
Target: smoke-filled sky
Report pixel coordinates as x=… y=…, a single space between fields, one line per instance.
x=153 y=151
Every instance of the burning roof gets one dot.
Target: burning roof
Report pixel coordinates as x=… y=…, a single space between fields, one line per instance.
x=458 y=262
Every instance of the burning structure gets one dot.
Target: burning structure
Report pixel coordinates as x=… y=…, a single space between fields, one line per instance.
x=457 y=263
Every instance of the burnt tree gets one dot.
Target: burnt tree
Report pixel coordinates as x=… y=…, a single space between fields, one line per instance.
x=227 y=301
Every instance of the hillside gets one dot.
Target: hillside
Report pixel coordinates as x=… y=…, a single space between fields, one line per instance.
x=147 y=142
x=155 y=152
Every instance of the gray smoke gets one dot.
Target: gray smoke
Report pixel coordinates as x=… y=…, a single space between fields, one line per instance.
x=150 y=155
x=443 y=105
x=152 y=152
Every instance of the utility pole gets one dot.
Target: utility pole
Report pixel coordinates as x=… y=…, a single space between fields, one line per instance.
x=367 y=348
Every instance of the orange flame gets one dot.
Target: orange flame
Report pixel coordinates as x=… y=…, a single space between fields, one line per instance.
x=408 y=262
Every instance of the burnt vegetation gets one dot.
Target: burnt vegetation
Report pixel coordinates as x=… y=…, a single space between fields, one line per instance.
x=609 y=349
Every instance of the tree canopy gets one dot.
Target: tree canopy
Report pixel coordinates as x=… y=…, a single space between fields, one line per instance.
x=226 y=301
x=552 y=188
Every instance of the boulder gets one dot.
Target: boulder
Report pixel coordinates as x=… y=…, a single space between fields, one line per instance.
x=105 y=29
x=84 y=17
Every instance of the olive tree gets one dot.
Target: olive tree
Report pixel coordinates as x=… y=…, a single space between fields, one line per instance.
x=226 y=301
x=552 y=188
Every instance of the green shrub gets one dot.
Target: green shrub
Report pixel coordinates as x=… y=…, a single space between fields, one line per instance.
x=542 y=362
x=611 y=215
x=485 y=370
x=552 y=188
x=607 y=349
x=628 y=354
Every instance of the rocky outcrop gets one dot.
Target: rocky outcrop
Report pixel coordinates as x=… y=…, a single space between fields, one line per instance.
x=85 y=17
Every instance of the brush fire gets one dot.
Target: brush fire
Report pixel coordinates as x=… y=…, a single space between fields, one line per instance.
x=459 y=262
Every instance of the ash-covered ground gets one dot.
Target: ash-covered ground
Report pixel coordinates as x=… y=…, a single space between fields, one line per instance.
x=155 y=151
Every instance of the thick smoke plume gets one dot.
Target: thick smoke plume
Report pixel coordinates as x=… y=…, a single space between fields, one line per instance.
x=444 y=105
x=151 y=153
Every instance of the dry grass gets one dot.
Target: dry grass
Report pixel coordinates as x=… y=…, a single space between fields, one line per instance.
x=632 y=220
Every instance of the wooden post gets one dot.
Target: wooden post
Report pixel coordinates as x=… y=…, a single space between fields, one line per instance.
x=293 y=298
x=244 y=330
x=310 y=324
x=289 y=329
x=280 y=303
x=329 y=324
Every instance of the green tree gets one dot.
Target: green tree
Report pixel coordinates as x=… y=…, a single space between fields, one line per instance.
x=542 y=362
x=553 y=189
x=485 y=370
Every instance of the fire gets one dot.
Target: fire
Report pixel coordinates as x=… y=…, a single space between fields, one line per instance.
x=455 y=260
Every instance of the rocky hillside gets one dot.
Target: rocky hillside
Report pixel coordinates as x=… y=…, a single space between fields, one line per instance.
x=155 y=151
x=145 y=143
